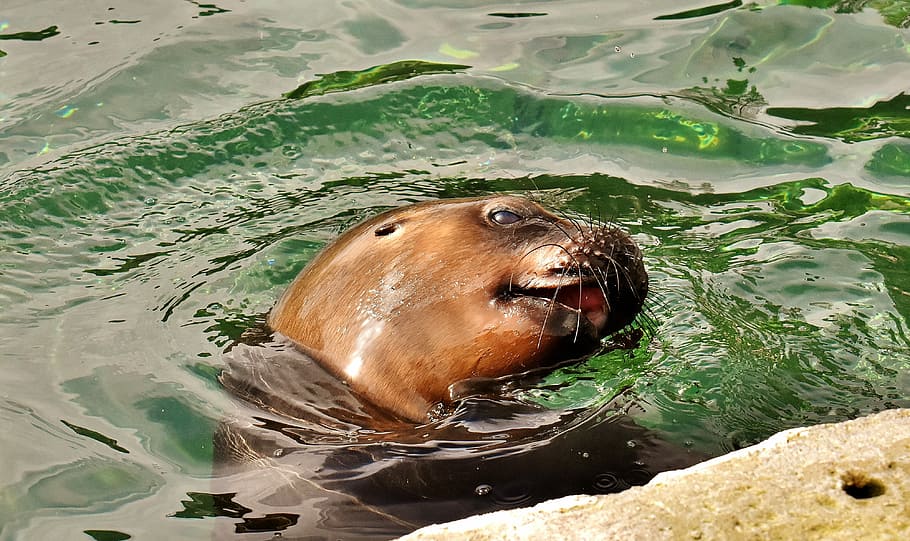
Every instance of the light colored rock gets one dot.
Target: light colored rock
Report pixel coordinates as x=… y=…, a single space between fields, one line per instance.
x=795 y=485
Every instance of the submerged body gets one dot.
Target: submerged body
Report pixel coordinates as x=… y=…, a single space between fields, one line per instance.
x=414 y=300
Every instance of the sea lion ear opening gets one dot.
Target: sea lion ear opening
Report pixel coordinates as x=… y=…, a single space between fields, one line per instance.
x=386 y=229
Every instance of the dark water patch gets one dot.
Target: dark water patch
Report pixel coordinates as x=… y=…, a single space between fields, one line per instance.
x=700 y=12
x=107 y=535
x=95 y=435
x=207 y=10
x=851 y=124
x=517 y=14
x=126 y=264
x=202 y=504
x=40 y=35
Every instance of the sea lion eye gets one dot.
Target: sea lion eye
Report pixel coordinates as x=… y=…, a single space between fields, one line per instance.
x=504 y=217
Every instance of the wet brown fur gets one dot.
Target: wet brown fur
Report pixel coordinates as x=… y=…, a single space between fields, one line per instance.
x=408 y=303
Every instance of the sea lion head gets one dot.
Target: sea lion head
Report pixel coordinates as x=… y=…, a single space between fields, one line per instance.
x=409 y=302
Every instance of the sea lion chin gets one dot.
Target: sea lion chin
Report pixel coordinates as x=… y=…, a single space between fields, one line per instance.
x=416 y=299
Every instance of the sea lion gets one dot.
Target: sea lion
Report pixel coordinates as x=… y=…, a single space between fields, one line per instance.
x=338 y=433
x=416 y=299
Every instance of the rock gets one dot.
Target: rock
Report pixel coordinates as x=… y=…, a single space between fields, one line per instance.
x=847 y=480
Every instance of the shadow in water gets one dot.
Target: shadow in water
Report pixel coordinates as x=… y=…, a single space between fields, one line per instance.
x=335 y=471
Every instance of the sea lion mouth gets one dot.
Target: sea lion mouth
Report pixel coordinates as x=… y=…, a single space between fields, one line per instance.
x=580 y=296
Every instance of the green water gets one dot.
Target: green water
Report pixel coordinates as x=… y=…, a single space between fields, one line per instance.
x=165 y=170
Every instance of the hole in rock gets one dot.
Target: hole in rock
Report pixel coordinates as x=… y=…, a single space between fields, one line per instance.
x=861 y=486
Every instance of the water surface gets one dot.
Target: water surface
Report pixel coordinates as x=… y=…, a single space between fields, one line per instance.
x=159 y=192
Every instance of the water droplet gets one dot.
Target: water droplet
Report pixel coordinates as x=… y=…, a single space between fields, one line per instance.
x=585 y=454
x=618 y=49
x=483 y=490
x=150 y=200
x=664 y=150
x=631 y=55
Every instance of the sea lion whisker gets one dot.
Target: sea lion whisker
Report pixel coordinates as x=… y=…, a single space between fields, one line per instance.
x=555 y=223
x=612 y=219
x=603 y=289
x=532 y=250
x=543 y=326
x=573 y=219
x=624 y=273
x=612 y=263
x=620 y=271
x=580 y=295
x=599 y=222
x=555 y=291
x=522 y=258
